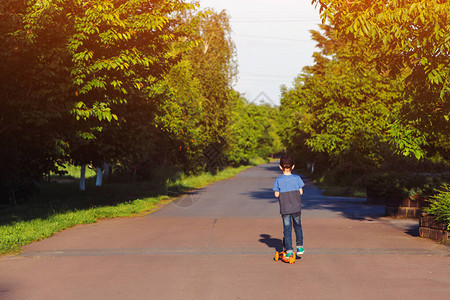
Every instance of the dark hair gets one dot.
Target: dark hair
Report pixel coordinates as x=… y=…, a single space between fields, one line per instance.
x=286 y=162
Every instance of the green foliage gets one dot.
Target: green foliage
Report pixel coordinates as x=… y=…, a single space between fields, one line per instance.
x=339 y=112
x=409 y=37
x=85 y=59
x=252 y=131
x=113 y=50
x=194 y=98
x=440 y=205
x=137 y=84
x=377 y=91
x=72 y=171
x=180 y=116
x=214 y=65
x=408 y=139
x=389 y=184
x=30 y=109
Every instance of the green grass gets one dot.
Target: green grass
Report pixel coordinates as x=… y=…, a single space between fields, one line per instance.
x=344 y=192
x=341 y=191
x=74 y=172
x=61 y=205
x=259 y=160
x=205 y=178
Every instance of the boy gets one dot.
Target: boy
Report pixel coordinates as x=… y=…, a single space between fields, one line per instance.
x=288 y=188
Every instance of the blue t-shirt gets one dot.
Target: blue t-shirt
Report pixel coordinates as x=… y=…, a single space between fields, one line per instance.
x=288 y=186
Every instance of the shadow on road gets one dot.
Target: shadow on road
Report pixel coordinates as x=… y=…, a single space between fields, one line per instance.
x=316 y=204
x=413 y=230
x=262 y=194
x=350 y=208
x=3 y=291
x=271 y=242
x=271 y=167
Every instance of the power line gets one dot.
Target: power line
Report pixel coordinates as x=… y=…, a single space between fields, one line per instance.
x=265 y=75
x=273 y=38
x=274 y=20
x=260 y=79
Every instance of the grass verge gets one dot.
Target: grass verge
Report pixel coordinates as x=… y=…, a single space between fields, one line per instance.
x=329 y=189
x=342 y=191
x=61 y=205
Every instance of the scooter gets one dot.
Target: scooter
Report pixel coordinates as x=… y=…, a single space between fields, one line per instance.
x=283 y=256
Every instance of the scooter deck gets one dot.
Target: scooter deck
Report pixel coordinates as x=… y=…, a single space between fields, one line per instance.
x=282 y=255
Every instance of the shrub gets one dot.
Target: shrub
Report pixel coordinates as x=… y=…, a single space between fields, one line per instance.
x=440 y=205
x=405 y=184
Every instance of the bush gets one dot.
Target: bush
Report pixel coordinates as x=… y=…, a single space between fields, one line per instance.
x=409 y=184
x=440 y=205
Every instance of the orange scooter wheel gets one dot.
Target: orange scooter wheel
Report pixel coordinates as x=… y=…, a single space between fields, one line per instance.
x=277 y=256
x=292 y=259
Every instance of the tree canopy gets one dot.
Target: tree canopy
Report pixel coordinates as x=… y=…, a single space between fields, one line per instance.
x=139 y=84
x=378 y=87
x=404 y=37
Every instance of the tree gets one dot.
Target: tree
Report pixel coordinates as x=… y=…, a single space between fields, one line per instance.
x=180 y=118
x=32 y=112
x=87 y=59
x=181 y=112
x=405 y=37
x=195 y=97
x=252 y=131
x=214 y=64
x=334 y=110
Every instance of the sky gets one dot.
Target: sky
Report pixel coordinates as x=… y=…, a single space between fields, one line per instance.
x=273 y=43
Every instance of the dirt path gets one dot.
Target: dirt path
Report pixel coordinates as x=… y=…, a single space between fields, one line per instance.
x=218 y=243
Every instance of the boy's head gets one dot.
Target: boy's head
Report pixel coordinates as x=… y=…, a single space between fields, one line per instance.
x=286 y=163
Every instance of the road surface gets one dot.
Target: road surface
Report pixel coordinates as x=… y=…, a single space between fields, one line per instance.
x=218 y=243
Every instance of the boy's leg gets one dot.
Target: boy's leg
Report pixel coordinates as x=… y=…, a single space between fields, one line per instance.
x=287 y=232
x=297 y=218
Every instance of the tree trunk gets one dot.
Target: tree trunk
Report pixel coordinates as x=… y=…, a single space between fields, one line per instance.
x=106 y=166
x=98 y=182
x=83 y=178
x=12 y=197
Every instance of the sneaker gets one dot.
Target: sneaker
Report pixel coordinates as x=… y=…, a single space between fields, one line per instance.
x=300 y=250
x=288 y=255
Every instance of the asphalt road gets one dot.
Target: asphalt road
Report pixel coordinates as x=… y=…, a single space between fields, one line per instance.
x=218 y=243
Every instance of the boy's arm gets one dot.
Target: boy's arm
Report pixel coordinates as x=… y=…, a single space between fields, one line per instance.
x=302 y=184
x=276 y=189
